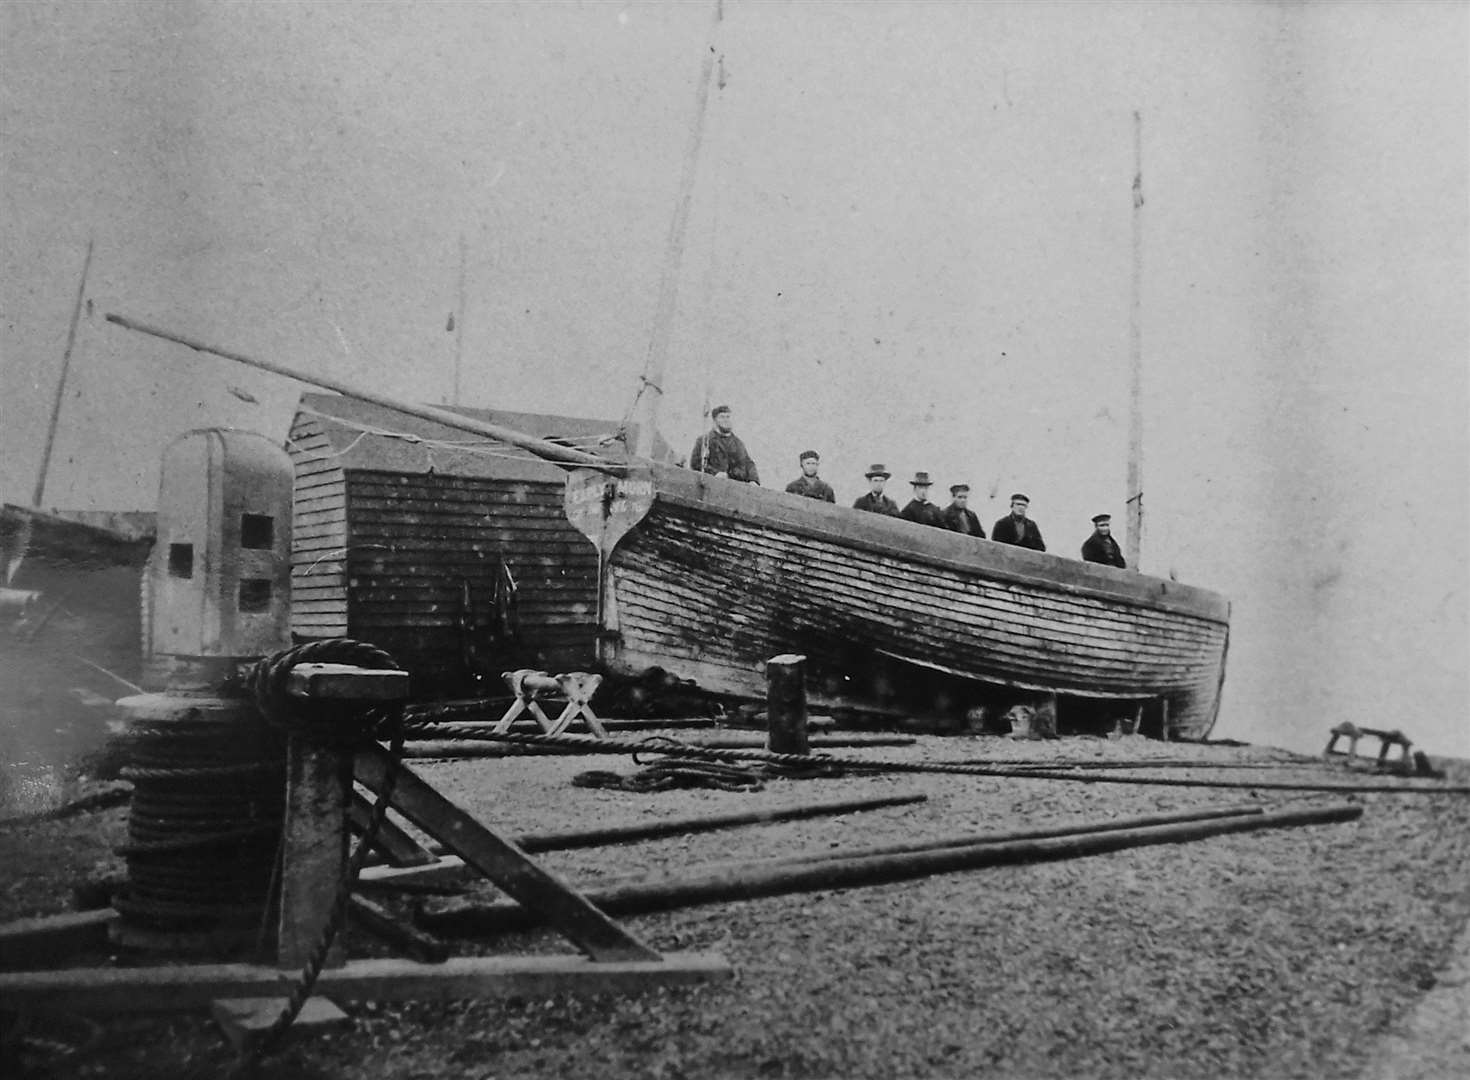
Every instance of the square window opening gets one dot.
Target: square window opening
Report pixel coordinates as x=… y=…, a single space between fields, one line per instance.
x=181 y=560
x=257 y=531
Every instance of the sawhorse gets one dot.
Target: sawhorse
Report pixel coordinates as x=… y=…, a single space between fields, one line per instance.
x=576 y=686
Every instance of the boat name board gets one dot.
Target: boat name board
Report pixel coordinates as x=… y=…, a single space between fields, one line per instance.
x=604 y=508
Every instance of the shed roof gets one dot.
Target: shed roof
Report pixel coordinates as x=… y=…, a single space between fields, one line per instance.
x=363 y=436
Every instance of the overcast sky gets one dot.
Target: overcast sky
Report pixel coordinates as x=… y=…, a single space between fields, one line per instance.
x=909 y=242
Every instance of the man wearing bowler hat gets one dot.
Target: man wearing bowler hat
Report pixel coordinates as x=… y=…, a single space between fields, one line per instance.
x=1100 y=547
x=875 y=500
x=809 y=483
x=1016 y=528
x=920 y=509
x=958 y=515
x=721 y=452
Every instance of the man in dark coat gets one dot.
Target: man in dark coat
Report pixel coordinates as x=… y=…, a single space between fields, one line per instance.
x=721 y=452
x=920 y=509
x=1016 y=528
x=958 y=515
x=875 y=500
x=809 y=483
x=1100 y=547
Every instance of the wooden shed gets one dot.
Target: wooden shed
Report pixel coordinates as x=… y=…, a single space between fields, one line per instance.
x=448 y=550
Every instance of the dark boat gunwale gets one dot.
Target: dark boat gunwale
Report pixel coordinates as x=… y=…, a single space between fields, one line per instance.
x=950 y=551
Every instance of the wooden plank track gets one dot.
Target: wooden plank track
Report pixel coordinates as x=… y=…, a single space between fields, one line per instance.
x=155 y=989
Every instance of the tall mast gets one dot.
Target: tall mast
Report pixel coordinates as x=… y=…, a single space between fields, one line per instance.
x=459 y=322
x=1135 y=349
x=652 y=387
x=71 y=337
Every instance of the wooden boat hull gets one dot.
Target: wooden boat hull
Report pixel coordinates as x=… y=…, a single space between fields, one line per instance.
x=708 y=578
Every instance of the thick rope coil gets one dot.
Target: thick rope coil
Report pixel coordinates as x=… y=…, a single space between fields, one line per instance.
x=322 y=723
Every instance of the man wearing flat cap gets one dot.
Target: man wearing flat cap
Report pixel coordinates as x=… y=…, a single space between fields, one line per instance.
x=721 y=453
x=809 y=484
x=1016 y=528
x=875 y=501
x=1100 y=547
x=958 y=515
x=920 y=509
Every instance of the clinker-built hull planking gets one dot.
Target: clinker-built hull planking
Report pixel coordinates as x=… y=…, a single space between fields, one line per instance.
x=715 y=577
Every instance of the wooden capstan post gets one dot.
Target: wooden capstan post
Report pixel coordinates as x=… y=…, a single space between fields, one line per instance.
x=786 y=704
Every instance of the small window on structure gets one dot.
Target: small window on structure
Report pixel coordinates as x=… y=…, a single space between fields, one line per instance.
x=257 y=531
x=181 y=560
x=255 y=594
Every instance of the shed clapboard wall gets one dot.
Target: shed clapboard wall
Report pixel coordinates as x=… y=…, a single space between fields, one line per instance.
x=389 y=557
x=318 y=536
x=418 y=541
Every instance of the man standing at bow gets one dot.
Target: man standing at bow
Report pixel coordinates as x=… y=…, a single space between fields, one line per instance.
x=1100 y=547
x=809 y=483
x=875 y=501
x=920 y=509
x=958 y=515
x=721 y=453
x=1016 y=528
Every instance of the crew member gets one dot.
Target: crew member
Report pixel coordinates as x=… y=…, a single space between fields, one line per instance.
x=809 y=483
x=875 y=500
x=721 y=452
x=1016 y=528
x=958 y=515
x=1100 y=547
x=920 y=509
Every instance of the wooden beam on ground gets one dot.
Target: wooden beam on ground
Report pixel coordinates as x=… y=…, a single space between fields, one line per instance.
x=395 y=845
x=376 y=918
x=724 y=740
x=606 y=890
x=501 y=860
x=29 y=943
x=681 y=826
x=749 y=881
x=753 y=741
x=159 y=989
x=674 y=826
x=964 y=840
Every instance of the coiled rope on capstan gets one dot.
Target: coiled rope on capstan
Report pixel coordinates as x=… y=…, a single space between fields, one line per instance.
x=203 y=826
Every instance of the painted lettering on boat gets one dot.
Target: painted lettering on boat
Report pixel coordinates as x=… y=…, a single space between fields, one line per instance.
x=604 y=508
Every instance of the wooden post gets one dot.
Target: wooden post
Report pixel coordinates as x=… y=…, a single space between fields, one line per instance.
x=318 y=802
x=786 y=704
x=313 y=849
